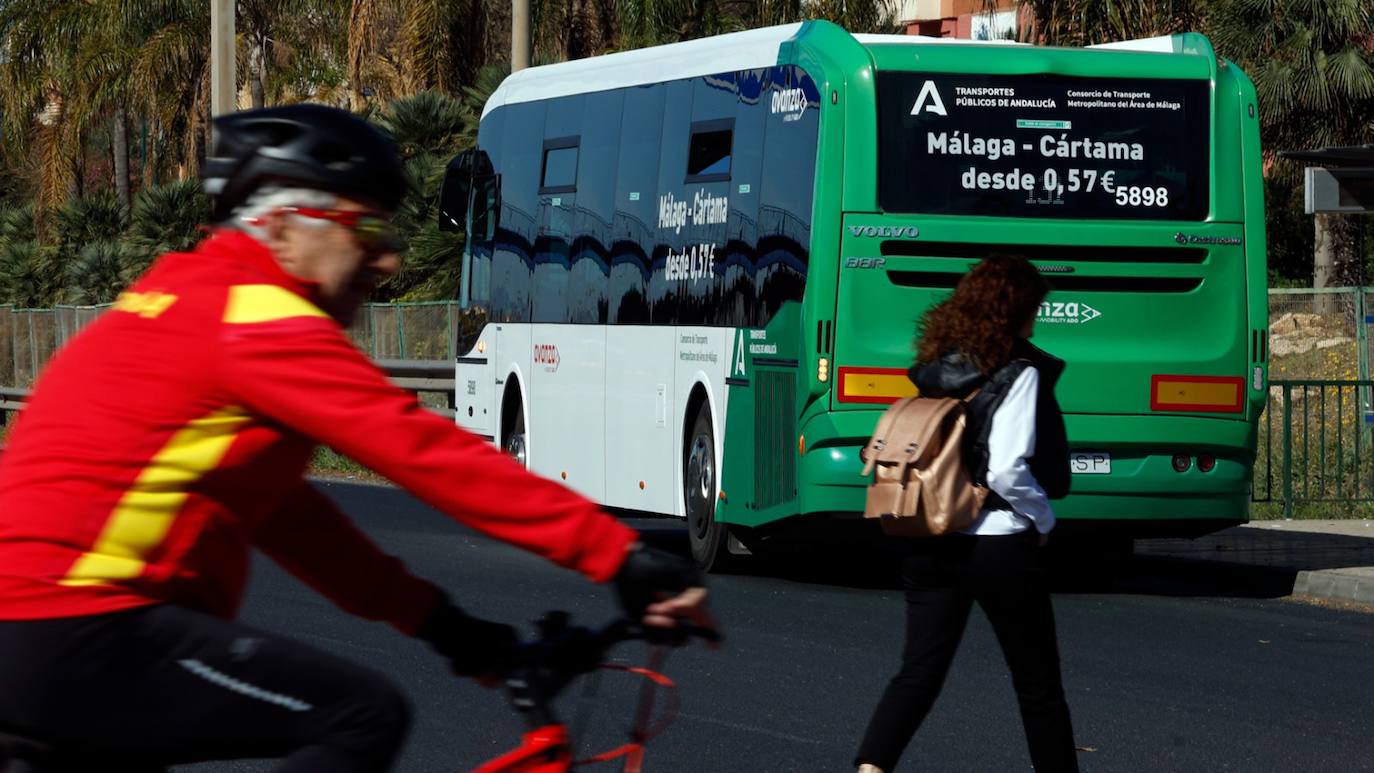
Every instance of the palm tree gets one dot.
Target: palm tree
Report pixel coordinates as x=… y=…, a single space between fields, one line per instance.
x=652 y=22
x=402 y=47
x=169 y=78
x=95 y=275
x=28 y=276
x=474 y=99
x=1086 y=22
x=276 y=31
x=37 y=80
x=873 y=16
x=429 y=129
x=1313 y=67
x=427 y=121
x=98 y=217
x=166 y=218
x=309 y=55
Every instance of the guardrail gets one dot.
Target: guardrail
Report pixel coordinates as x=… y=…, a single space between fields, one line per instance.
x=432 y=376
x=11 y=399
x=1315 y=444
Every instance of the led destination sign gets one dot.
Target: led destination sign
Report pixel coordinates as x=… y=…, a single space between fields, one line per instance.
x=1043 y=146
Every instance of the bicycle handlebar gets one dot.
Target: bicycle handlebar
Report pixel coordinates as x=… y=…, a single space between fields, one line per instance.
x=563 y=652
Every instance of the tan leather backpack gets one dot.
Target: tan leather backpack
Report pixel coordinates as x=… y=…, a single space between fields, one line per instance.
x=921 y=486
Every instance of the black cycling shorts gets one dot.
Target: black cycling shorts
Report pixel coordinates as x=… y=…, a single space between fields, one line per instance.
x=164 y=685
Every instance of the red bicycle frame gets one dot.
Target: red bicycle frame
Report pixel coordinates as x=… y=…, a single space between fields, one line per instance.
x=547 y=748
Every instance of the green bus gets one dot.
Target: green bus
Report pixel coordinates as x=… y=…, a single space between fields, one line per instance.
x=691 y=273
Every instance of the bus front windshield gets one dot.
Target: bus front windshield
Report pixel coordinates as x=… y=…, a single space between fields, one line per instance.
x=1043 y=146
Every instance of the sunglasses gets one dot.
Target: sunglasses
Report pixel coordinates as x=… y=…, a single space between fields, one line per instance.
x=373 y=232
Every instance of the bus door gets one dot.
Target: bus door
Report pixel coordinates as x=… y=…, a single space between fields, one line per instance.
x=469 y=203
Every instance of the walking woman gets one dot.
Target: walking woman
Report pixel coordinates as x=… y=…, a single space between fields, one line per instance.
x=976 y=339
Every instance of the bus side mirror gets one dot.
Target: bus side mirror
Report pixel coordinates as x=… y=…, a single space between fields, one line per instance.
x=456 y=190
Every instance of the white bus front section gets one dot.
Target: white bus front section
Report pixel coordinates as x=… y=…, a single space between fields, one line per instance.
x=606 y=408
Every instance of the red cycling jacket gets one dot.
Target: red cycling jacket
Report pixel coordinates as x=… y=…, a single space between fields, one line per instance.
x=172 y=435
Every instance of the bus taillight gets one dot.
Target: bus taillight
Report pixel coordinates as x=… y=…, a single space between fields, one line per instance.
x=1210 y=394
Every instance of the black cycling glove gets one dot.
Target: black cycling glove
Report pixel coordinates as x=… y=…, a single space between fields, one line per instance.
x=649 y=575
x=473 y=647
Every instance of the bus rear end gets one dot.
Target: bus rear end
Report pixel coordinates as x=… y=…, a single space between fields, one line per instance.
x=1131 y=178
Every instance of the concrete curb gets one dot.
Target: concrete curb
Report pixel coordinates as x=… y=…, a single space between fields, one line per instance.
x=1355 y=584
x=1315 y=559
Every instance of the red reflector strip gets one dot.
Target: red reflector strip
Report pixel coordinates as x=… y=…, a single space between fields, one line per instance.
x=1210 y=394
x=874 y=385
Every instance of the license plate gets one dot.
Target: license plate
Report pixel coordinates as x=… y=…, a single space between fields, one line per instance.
x=1088 y=463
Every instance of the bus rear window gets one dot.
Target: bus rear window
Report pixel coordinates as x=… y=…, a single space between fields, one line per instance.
x=1043 y=146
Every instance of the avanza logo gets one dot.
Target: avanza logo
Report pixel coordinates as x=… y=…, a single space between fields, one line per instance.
x=547 y=355
x=1070 y=313
x=791 y=102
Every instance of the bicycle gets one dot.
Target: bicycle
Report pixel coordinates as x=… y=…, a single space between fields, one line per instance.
x=543 y=669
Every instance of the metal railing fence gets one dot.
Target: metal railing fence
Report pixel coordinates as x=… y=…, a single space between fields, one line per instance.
x=435 y=377
x=396 y=331
x=1314 y=444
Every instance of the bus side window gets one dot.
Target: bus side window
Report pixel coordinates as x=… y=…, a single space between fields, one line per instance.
x=596 y=183
x=512 y=265
x=672 y=232
x=636 y=205
x=711 y=148
x=739 y=257
x=557 y=202
x=486 y=208
x=789 y=179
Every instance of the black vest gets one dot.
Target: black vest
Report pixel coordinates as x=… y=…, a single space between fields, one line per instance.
x=954 y=376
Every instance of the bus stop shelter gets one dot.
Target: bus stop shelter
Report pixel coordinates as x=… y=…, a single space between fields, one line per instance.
x=1337 y=180
x=1340 y=181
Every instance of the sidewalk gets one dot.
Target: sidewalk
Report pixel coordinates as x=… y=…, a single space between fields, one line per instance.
x=1324 y=559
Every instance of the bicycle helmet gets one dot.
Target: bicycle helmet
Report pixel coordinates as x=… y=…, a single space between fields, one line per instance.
x=305 y=145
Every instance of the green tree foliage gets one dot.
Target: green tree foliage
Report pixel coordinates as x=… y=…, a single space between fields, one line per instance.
x=1087 y=22
x=88 y=257
x=429 y=128
x=95 y=275
x=1313 y=68
x=474 y=99
x=166 y=218
x=1288 y=231
x=96 y=217
x=29 y=276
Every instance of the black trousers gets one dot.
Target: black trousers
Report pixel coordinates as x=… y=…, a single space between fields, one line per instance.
x=164 y=685
x=943 y=577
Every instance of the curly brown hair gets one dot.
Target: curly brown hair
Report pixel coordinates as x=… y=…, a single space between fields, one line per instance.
x=984 y=314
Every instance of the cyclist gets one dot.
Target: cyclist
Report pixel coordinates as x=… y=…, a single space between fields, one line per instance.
x=172 y=435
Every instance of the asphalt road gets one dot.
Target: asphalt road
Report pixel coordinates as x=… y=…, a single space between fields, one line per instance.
x=1162 y=673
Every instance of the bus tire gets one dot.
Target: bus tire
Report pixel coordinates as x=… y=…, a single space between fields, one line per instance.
x=513 y=437
x=707 y=537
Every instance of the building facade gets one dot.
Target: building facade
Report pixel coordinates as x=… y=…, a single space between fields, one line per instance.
x=967 y=19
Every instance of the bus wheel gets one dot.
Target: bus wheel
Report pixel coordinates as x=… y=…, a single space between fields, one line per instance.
x=514 y=442
x=706 y=536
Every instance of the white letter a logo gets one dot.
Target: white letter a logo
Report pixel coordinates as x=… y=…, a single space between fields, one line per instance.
x=936 y=106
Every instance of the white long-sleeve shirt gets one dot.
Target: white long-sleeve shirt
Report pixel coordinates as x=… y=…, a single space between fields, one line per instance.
x=1010 y=443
